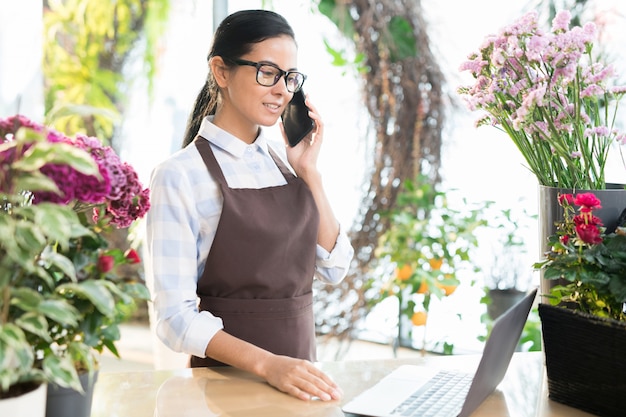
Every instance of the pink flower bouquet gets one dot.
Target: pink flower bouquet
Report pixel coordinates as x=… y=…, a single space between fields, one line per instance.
x=551 y=95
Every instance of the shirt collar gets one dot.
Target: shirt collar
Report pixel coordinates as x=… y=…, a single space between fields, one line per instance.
x=229 y=142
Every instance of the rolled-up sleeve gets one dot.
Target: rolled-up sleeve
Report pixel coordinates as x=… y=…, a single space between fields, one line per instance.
x=332 y=267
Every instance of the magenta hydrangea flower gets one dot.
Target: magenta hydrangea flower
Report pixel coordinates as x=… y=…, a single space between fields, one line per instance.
x=117 y=196
x=10 y=125
x=131 y=202
x=8 y=128
x=73 y=185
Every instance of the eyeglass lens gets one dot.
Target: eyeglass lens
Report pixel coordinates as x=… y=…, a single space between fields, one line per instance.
x=268 y=76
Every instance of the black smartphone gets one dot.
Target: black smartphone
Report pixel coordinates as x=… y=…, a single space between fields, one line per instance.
x=296 y=120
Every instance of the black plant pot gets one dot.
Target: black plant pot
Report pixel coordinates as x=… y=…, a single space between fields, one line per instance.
x=502 y=300
x=584 y=357
x=67 y=402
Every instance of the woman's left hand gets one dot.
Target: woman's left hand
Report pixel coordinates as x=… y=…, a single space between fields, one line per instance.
x=303 y=157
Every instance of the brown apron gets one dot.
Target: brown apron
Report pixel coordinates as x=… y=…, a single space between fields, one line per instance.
x=259 y=272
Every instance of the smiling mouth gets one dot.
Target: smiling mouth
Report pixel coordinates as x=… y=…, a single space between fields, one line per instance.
x=272 y=106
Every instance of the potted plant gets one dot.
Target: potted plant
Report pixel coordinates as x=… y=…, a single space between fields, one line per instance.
x=424 y=252
x=508 y=274
x=557 y=100
x=61 y=297
x=584 y=326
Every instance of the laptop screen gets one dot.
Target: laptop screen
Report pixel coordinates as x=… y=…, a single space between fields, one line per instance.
x=498 y=352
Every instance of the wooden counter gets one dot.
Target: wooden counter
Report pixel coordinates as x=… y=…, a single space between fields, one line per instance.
x=231 y=392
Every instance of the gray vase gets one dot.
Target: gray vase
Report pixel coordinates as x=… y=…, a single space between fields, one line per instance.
x=613 y=201
x=67 y=402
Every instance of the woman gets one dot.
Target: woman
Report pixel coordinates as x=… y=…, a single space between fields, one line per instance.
x=235 y=237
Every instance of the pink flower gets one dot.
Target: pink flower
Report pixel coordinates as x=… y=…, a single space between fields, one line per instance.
x=588 y=201
x=561 y=22
x=547 y=91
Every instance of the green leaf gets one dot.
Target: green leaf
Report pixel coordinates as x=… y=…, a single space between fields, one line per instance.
x=16 y=355
x=25 y=298
x=96 y=291
x=12 y=335
x=63 y=263
x=43 y=153
x=35 y=324
x=339 y=15
x=29 y=238
x=60 y=311
x=61 y=222
x=112 y=332
x=82 y=355
x=61 y=371
x=403 y=43
x=84 y=110
x=35 y=181
x=111 y=346
x=138 y=291
x=618 y=289
x=119 y=290
x=338 y=58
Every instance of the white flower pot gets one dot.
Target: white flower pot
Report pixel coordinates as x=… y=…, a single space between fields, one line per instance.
x=31 y=404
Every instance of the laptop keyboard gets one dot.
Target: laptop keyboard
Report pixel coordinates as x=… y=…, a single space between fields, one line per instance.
x=442 y=396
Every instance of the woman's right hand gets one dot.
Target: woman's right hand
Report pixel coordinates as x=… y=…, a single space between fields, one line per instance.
x=299 y=378
x=296 y=377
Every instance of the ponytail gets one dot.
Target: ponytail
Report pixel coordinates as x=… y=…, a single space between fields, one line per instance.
x=205 y=105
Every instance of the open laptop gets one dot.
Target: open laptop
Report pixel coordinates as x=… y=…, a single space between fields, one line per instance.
x=396 y=394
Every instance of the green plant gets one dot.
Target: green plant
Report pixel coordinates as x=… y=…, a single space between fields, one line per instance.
x=89 y=46
x=60 y=297
x=507 y=248
x=591 y=261
x=425 y=249
x=551 y=95
x=404 y=97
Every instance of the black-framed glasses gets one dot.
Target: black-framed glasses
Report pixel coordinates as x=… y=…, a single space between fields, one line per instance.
x=268 y=74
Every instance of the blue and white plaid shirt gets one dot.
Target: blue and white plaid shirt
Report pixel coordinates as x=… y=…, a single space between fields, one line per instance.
x=186 y=204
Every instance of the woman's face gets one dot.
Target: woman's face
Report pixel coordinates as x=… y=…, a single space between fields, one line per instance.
x=245 y=103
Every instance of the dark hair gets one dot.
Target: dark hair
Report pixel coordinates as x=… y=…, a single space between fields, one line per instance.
x=233 y=38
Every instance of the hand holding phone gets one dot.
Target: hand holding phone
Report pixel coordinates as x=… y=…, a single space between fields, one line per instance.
x=296 y=120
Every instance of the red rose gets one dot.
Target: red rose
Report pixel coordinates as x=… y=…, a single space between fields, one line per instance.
x=588 y=201
x=106 y=263
x=589 y=233
x=132 y=256
x=566 y=199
